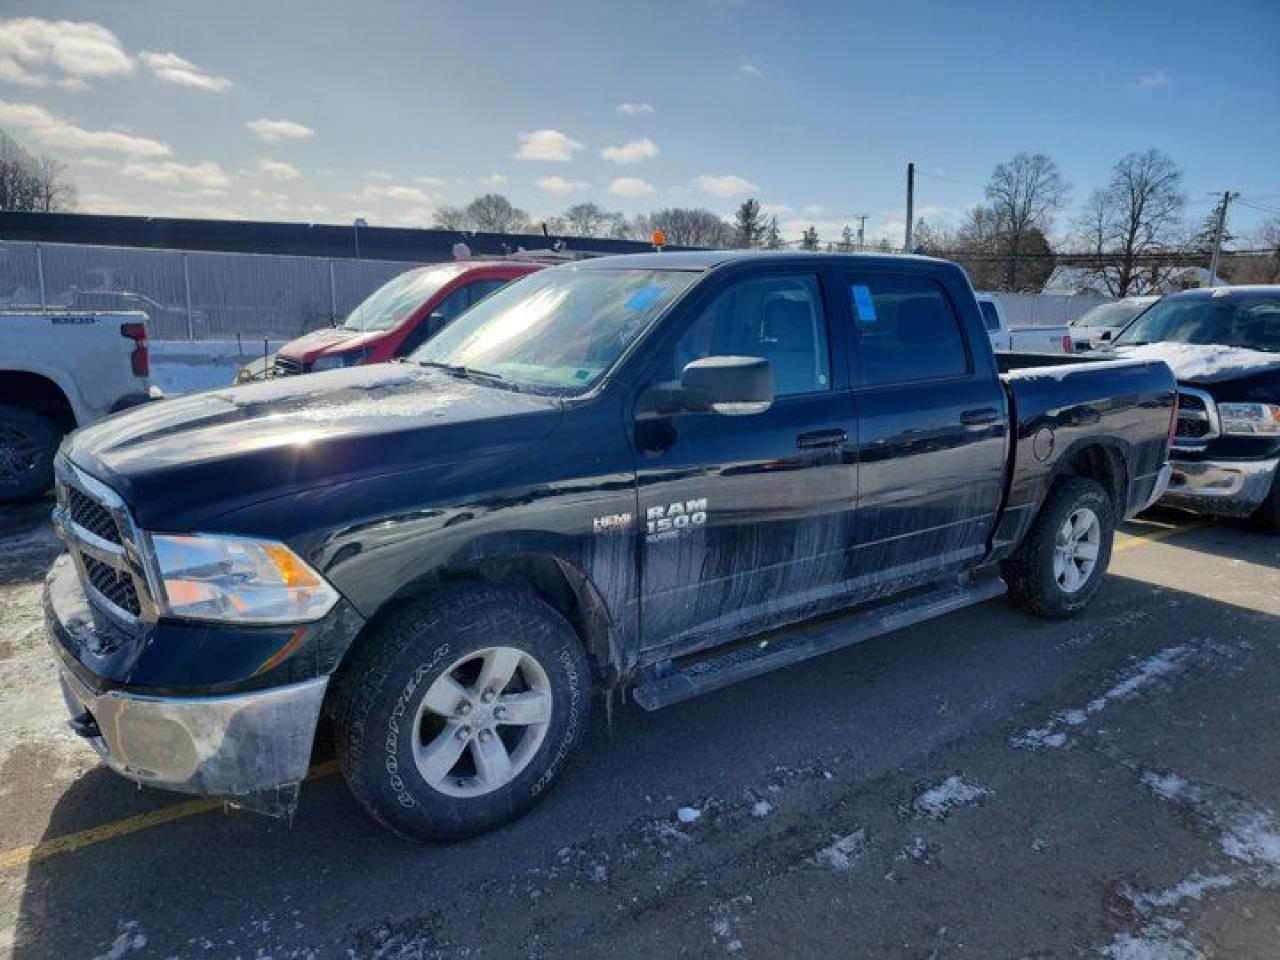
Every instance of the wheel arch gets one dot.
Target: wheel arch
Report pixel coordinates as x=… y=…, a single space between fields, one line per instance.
x=1101 y=459
x=41 y=392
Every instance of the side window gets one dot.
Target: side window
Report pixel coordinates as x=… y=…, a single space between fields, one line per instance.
x=778 y=318
x=990 y=319
x=906 y=330
x=440 y=317
x=482 y=288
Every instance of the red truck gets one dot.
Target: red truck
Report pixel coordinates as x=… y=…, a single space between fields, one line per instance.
x=395 y=319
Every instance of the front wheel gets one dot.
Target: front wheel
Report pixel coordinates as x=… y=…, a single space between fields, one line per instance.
x=459 y=712
x=28 y=444
x=1059 y=566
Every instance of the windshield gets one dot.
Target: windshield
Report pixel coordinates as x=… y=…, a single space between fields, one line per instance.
x=559 y=329
x=1252 y=322
x=396 y=300
x=1112 y=314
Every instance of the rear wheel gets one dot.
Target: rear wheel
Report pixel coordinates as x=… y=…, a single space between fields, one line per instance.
x=1059 y=566
x=459 y=712
x=28 y=444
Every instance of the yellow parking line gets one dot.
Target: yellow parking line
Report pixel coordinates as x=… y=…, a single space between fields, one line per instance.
x=34 y=852
x=1163 y=533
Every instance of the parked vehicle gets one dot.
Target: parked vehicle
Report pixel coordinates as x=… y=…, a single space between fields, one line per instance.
x=1095 y=328
x=59 y=371
x=395 y=319
x=1020 y=339
x=1223 y=344
x=655 y=471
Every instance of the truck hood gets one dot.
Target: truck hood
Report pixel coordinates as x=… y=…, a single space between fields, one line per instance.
x=1204 y=364
x=183 y=461
x=317 y=342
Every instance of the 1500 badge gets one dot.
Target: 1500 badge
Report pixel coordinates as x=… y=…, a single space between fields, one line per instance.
x=674 y=519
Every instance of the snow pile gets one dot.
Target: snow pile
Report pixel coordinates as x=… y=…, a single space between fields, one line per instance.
x=688 y=814
x=844 y=852
x=1248 y=833
x=1053 y=735
x=1157 y=940
x=761 y=808
x=1203 y=362
x=951 y=794
x=1192 y=888
x=127 y=940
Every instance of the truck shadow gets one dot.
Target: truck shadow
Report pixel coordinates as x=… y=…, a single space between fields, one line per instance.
x=327 y=879
x=1233 y=540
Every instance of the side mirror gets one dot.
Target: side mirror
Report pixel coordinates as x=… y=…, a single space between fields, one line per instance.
x=732 y=386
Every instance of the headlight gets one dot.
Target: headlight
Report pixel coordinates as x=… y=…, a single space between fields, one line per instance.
x=1250 y=418
x=238 y=579
x=335 y=360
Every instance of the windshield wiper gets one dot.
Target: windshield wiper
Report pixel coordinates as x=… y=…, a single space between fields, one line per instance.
x=471 y=373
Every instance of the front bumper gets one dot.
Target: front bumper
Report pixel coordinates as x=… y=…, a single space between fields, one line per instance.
x=1225 y=488
x=251 y=749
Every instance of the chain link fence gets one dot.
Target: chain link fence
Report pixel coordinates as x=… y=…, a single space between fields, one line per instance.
x=191 y=295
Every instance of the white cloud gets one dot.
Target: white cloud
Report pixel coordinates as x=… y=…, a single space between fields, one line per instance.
x=174 y=69
x=277 y=169
x=631 y=187
x=104 y=203
x=380 y=175
x=205 y=211
x=51 y=130
x=494 y=180
x=724 y=185
x=774 y=209
x=431 y=181
x=749 y=71
x=560 y=185
x=632 y=152
x=815 y=210
x=1152 y=81
x=273 y=130
x=630 y=109
x=392 y=191
x=547 y=145
x=37 y=52
x=207 y=174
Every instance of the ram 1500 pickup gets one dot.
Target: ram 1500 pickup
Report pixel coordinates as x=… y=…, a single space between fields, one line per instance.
x=60 y=370
x=1223 y=345
x=667 y=472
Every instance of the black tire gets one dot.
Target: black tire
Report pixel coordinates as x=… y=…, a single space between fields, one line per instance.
x=1267 y=516
x=28 y=444
x=387 y=679
x=1033 y=585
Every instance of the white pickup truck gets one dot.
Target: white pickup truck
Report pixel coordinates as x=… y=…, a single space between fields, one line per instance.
x=1005 y=338
x=59 y=371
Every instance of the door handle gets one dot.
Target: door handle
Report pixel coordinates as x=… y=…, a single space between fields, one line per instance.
x=821 y=438
x=980 y=416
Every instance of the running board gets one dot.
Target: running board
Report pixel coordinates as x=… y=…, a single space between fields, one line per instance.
x=801 y=643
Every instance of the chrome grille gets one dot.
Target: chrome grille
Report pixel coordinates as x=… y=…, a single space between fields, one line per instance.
x=1197 y=420
x=287 y=366
x=92 y=516
x=101 y=538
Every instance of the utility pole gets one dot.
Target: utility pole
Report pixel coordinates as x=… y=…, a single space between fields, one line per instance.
x=911 y=204
x=862 y=230
x=1227 y=197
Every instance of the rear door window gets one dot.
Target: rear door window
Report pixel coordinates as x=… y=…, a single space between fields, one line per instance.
x=906 y=331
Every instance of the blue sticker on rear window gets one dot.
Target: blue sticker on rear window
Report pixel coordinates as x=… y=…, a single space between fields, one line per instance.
x=644 y=297
x=863 y=303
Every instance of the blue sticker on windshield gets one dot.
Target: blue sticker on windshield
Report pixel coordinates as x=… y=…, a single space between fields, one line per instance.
x=644 y=297
x=863 y=303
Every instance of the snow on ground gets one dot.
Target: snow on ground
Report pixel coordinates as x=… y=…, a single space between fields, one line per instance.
x=844 y=852
x=1203 y=362
x=1157 y=940
x=951 y=794
x=1247 y=832
x=179 y=367
x=1053 y=734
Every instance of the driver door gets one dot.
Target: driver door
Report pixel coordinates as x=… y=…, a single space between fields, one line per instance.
x=745 y=521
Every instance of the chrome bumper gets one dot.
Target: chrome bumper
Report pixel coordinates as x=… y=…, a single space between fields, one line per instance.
x=1227 y=488
x=250 y=749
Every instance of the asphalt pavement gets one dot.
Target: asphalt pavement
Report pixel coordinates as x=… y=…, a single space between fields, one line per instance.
x=985 y=785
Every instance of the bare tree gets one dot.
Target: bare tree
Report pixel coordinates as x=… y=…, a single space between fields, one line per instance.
x=1137 y=214
x=30 y=183
x=685 y=227
x=1024 y=194
x=490 y=213
x=590 y=220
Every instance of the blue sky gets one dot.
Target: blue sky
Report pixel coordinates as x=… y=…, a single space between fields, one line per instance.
x=387 y=110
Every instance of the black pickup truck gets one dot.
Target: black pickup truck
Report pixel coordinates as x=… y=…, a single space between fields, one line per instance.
x=1223 y=345
x=664 y=472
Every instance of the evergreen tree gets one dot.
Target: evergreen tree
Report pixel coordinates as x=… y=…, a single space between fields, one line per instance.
x=809 y=239
x=773 y=236
x=749 y=225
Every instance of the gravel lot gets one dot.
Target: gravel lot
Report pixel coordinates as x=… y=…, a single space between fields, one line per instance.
x=988 y=785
